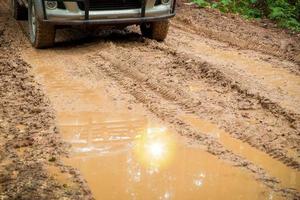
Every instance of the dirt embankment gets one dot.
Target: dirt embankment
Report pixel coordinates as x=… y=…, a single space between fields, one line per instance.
x=29 y=141
x=261 y=35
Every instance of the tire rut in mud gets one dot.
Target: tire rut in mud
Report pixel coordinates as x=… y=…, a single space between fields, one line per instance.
x=171 y=90
x=228 y=76
x=165 y=109
x=202 y=70
x=164 y=97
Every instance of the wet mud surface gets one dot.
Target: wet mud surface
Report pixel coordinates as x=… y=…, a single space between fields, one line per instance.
x=112 y=115
x=30 y=142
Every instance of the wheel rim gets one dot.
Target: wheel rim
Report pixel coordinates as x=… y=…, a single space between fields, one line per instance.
x=33 y=21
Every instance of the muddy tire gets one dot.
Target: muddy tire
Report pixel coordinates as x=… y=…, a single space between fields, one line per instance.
x=42 y=35
x=18 y=12
x=155 y=30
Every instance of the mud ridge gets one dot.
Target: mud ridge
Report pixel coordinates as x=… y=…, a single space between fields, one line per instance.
x=227 y=38
x=207 y=71
x=164 y=109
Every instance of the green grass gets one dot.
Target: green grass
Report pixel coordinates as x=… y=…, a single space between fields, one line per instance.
x=285 y=12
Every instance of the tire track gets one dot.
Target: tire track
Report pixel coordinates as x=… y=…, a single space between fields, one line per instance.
x=217 y=73
x=175 y=97
x=207 y=71
x=189 y=103
x=215 y=76
x=165 y=109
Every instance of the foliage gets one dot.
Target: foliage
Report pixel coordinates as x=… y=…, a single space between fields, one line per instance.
x=202 y=3
x=285 y=12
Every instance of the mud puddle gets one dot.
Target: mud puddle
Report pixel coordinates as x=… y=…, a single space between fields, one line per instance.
x=288 y=177
x=153 y=163
x=124 y=154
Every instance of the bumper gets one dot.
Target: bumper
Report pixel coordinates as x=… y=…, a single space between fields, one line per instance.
x=109 y=21
x=72 y=15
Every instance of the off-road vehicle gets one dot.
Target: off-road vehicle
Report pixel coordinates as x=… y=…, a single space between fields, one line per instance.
x=45 y=16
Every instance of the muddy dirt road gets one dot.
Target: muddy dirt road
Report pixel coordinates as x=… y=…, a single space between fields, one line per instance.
x=211 y=113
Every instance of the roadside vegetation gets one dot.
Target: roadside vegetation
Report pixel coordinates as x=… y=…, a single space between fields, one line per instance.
x=285 y=12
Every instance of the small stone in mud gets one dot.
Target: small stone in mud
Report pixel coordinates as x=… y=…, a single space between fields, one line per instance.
x=52 y=159
x=245 y=115
x=297 y=58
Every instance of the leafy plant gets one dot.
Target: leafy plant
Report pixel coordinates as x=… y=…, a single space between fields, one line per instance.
x=202 y=3
x=287 y=14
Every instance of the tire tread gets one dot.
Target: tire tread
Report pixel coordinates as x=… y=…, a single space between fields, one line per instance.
x=156 y=30
x=45 y=35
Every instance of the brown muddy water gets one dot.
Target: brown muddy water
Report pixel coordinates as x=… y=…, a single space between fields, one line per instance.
x=287 y=176
x=124 y=153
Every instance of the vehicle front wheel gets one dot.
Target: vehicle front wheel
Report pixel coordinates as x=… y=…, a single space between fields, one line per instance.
x=18 y=11
x=42 y=35
x=155 y=30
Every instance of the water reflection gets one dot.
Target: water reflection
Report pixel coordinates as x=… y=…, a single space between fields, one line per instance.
x=287 y=176
x=131 y=158
x=155 y=148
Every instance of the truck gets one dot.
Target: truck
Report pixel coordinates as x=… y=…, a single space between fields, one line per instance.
x=45 y=16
